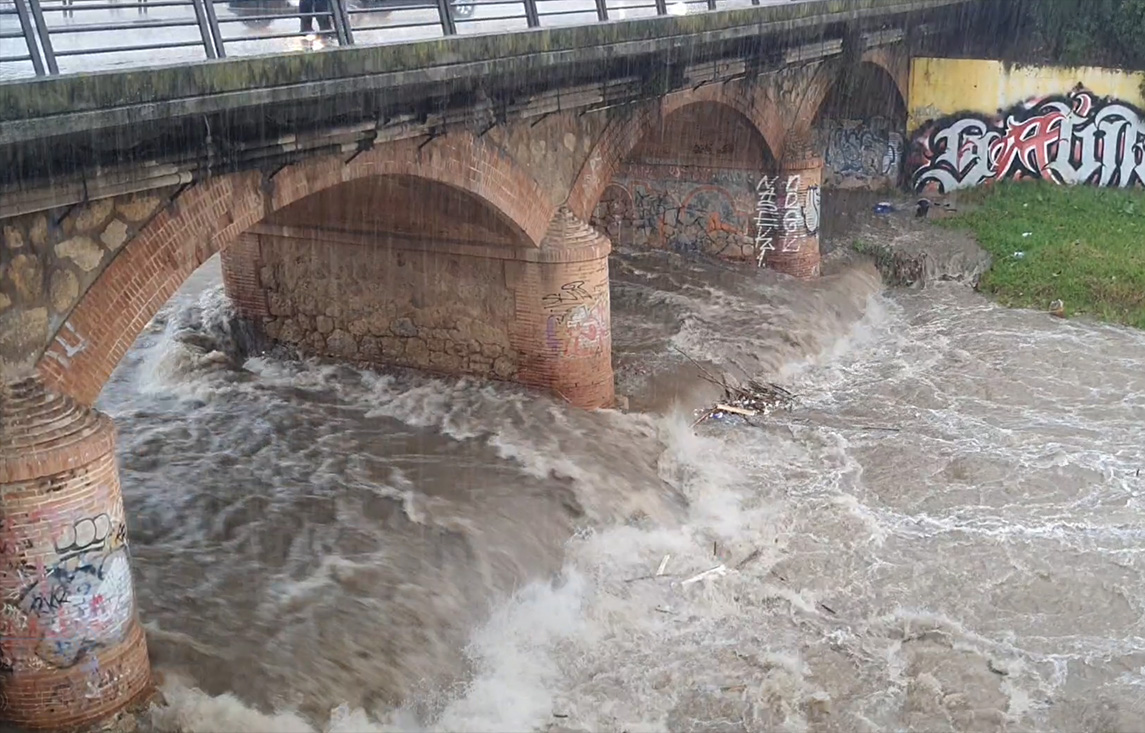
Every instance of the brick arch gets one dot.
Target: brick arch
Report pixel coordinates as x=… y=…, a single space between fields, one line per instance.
x=622 y=134
x=897 y=65
x=894 y=64
x=211 y=215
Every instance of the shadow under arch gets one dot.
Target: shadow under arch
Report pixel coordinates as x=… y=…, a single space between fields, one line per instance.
x=741 y=99
x=211 y=215
x=859 y=127
x=687 y=181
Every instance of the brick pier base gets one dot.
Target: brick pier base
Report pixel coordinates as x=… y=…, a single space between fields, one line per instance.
x=72 y=650
x=563 y=324
x=534 y=315
x=798 y=197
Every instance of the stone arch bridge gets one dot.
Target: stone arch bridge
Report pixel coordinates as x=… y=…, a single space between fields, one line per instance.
x=446 y=205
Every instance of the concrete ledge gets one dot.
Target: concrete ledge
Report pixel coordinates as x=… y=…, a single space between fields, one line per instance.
x=83 y=102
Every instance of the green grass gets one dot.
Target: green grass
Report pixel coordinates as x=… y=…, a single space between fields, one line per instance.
x=1086 y=246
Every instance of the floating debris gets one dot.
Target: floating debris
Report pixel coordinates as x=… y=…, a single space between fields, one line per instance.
x=718 y=571
x=749 y=400
x=752 y=400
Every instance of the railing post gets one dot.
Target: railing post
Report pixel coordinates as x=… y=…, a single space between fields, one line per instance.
x=341 y=22
x=30 y=37
x=711 y=4
x=45 y=37
x=448 y=27
x=204 y=29
x=602 y=10
x=661 y=7
x=213 y=23
x=531 y=18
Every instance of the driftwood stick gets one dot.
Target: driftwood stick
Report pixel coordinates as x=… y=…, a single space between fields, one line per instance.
x=711 y=377
x=736 y=410
x=705 y=416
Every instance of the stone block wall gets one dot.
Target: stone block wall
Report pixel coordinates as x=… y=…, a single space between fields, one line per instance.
x=686 y=209
x=861 y=153
x=336 y=295
x=50 y=258
x=689 y=184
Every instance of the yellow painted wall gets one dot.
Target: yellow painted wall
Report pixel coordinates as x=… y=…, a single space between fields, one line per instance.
x=940 y=87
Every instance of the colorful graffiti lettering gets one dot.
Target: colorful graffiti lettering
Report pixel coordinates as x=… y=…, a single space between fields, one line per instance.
x=860 y=153
x=1072 y=139
x=689 y=210
x=580 y=326
x=82 y=601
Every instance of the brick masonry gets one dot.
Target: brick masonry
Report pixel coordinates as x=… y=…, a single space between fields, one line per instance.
x=78 y=284
x=538 y=316
x=72 y=650
x=689 y=186
x=797 y=194
x=335 y=295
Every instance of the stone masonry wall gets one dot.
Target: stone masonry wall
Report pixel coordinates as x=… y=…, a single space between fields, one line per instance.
x=49 y=259
x=437 y=311
x=684 y=209
x=860 y=153
x=689 y=185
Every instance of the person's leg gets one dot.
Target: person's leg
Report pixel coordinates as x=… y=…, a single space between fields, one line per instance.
x=304 y=7
x=325 y=21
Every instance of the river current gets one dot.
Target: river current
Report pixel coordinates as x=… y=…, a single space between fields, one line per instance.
x=946 y=533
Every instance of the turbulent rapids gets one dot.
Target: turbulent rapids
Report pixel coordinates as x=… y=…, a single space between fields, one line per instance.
x=943 y=534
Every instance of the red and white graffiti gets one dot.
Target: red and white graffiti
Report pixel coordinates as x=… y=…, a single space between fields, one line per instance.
x=579 y=322
x=1076 y=139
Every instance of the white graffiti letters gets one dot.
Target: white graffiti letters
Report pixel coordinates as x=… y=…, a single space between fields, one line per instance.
x=793 y=221
x=1068 y=140
x=766 y=218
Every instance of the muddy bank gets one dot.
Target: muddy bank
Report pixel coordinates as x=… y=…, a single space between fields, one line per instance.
x=907 y=249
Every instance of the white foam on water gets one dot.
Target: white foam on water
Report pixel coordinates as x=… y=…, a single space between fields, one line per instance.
x=944 y=535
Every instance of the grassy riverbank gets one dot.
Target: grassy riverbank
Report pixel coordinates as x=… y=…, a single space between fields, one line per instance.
x=1080 y=244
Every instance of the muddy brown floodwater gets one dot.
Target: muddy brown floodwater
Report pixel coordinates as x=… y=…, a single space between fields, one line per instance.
x=945 y=534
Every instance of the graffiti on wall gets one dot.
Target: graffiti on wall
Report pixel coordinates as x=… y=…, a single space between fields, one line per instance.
x=690 y=210
x=860 y=153
x=1072 y=139
x=58 y=611
x=785 y=208
x=578 y=323
x=766 y=218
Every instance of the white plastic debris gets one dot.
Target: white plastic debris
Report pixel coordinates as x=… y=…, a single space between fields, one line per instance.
x=663 y=565
x=718 y=571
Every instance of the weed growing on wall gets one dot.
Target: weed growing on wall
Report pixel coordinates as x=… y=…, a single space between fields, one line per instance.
x=1081 y=245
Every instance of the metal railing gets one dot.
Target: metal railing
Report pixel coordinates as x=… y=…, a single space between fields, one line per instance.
x=51 y=37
